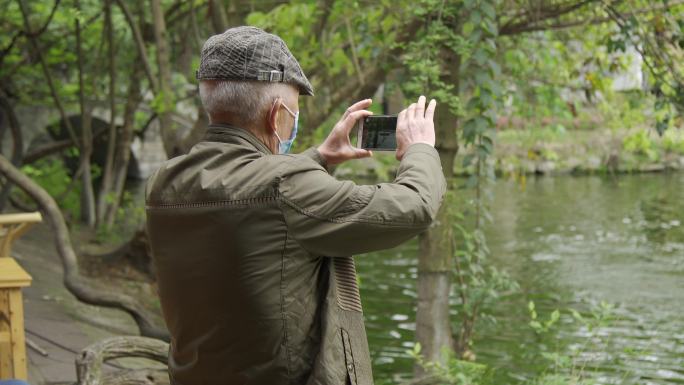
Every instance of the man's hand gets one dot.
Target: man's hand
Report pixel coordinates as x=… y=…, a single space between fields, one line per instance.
x=337 y=148
x=415 y=125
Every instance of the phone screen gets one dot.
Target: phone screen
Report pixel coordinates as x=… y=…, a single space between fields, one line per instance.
x=378 y=133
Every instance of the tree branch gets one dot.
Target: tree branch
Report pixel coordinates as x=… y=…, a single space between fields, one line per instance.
x=190 y=11
x=355 y=59
x=524 y=27
x=89 y=363
x=46 y=70
x=327 y=6
x=9 y=47
x=53 y=148
x=650 y=54
x=47 y=22
x=513 y=27
x=37 y=33
x=140 y=45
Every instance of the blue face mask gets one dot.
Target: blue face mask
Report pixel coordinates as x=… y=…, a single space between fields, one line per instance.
x=285 y=145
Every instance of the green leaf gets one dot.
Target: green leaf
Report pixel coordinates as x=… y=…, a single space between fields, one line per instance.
x=488 y=10
x=468 y=28
x=555 y=315
x=475 y=17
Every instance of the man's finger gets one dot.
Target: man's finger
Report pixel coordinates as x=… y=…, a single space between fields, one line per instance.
x=401 y=117
x=352 y=118
x=361 y=153
x=401 y=120
x=411 y=111
x=430 y=112
x=420 y=107
x=361 y=105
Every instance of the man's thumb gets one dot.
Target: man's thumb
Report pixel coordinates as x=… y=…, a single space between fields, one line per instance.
x=361 y=153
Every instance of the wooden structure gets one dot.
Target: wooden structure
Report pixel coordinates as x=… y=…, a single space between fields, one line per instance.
x=12 y=279
x=12 y=226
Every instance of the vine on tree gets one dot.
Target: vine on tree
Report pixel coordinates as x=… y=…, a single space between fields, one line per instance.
x=474 y=100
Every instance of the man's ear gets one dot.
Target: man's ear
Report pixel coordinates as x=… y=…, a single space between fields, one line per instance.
x=272 y=118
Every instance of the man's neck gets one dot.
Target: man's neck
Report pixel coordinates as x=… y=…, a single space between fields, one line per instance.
x=259 y=133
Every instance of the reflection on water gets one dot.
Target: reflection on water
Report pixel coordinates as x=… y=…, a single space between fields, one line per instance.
x=570 y=243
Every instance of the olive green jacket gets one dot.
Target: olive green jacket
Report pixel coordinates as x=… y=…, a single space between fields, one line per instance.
x=253 y=258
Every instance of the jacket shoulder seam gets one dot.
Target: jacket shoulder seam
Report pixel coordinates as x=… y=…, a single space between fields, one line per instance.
x=215 y=203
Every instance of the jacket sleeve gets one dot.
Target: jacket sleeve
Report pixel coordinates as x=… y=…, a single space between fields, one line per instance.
x=339 y=218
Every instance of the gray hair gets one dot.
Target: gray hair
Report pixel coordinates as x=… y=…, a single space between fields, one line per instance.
x=246 y=101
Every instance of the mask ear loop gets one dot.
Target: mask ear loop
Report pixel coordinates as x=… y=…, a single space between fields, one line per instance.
x=270 y=113
x=295 y=115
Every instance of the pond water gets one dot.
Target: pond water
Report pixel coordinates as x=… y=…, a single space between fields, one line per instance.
x=570 y=242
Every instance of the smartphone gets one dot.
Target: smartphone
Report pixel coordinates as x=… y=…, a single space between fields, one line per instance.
x=377 y=132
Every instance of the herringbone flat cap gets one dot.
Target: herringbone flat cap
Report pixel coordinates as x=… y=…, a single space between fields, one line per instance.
x=250 y=53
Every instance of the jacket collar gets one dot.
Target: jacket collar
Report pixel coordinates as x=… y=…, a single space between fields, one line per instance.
x=230 y=134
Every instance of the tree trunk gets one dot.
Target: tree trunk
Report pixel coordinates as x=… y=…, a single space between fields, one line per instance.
x=123 y=150
x=435 y=261
x=217 y=14
x=165 y=94
x=220 y=21
x=87 y=195
x=187 y=51
x=108 y=170
x=15 y=129
x=85 y=290
x=197 y=131
x=235 y=16
x=17 y=142
x=433 y=327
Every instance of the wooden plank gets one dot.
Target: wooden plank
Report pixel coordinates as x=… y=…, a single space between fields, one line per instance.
x=6 y=371
x=12 y=275
x=6 y=240
x=16 y=218
x=17 y=332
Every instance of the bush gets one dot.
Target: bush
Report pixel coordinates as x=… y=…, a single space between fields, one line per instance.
x=53 y=176
x=673 y=141
x=640 y=143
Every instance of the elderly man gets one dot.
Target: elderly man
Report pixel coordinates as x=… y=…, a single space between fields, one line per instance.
x=253 y=245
